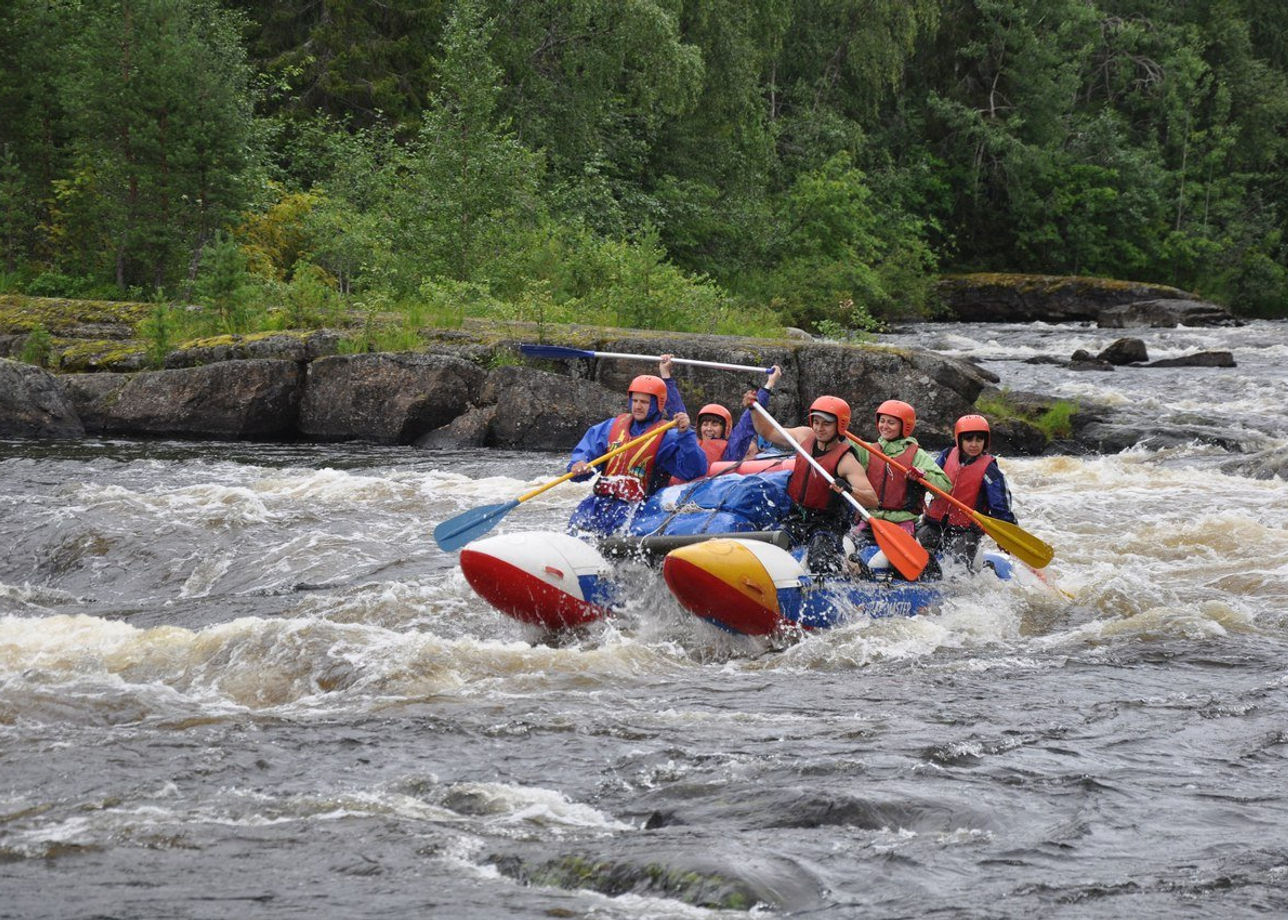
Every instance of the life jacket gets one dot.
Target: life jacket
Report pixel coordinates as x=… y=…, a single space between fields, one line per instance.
x=629 y=475
x=806 y=487
x=968 y=480
x=891 y=486
x=714 y=448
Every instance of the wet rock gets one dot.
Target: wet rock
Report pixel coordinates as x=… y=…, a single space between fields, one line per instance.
x=1198 y=359
x=90 y=395
x=34 y=405
x=1124 y=351
x=1112 y=438
x=252 y=400
x=468 y=430
x=1166 y=313
x=394 y=398
x=1016 y=437
x=699 y=881
x=1013 y=298
x=537 y=410
x=1083 y=360
x=1266 y=464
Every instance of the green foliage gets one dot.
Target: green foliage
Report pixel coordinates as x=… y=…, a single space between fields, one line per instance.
x=38 y=348
x=656 y=163
x=840 y=256
x=157 y=332
x=224 y=284
x=156 y=95
x=1055 y=421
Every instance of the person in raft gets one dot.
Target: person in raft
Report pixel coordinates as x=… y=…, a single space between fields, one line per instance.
x=718 y=437
x=977 y=483
x=632 y=476
x=900 y=498
x=820 y=515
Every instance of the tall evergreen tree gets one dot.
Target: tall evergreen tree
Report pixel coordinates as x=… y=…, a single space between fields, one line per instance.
x=157 y=99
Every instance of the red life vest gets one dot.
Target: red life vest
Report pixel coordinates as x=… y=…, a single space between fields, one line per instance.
x=968 y=479
x=714 y=448
x=806 y=487
x=629 y=475
x=891 y=485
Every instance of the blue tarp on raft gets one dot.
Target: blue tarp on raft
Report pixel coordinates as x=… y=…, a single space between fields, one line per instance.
x=728 y=503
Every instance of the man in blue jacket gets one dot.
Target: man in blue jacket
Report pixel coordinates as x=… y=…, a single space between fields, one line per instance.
x=632 y=476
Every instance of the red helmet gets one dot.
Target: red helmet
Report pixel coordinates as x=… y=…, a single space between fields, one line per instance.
x=652 y=386
x=972 y=423
x=897 y=408
x=835 y=407
x=719 y=412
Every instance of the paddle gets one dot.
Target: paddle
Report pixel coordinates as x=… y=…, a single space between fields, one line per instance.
x=559 y=352
x=455 y=532
x=903 y=551
x=1010 y=537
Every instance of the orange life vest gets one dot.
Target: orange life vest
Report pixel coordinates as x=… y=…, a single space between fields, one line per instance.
x=891 y=485
x=629 y=475
x=714 y=448
x=968 y=479
x=806 y=487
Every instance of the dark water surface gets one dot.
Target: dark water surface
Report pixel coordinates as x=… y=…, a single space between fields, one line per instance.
x=241 y=681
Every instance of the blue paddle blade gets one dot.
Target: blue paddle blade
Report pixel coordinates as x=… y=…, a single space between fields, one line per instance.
x=554 y=352
x=455 y=532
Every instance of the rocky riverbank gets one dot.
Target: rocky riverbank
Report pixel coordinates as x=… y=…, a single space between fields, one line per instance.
x=473 y=388
x=473 y=391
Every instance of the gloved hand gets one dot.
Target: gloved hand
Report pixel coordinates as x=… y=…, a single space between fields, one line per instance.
x=841 y=485
x=915 y=474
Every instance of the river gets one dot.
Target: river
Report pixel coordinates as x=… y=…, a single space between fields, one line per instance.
x=240 y=680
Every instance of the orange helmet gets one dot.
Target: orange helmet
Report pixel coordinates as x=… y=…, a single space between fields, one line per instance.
x=897 y=408
x=652 y=386
x=972 y=423
x=835 y=407
x=719 y=412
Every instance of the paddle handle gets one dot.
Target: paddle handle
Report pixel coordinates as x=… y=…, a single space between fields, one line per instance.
x=718 y=365
x=646 y=436
x=800 y=449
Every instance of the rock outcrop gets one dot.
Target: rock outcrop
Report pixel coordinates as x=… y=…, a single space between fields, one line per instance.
x=395 y=398
x=1111 y=304
x=440 y=399
x=34 y=405
x=1165 y=313
x=234 y=400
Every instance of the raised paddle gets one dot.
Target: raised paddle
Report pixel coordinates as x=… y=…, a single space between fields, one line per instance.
x=903 y=551
x=455 y=532
x=1010 y=537
x=559 y=352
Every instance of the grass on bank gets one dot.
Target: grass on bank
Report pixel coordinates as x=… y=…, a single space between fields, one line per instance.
x=1054 y=421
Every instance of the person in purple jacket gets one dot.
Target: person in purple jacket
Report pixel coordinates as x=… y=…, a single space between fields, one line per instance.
x=714 y=435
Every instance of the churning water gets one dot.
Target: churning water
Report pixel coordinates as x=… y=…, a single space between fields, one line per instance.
x=241 y=681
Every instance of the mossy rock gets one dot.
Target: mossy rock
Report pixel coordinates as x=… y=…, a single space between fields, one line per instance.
x=65 y=317
x=79 y=356
x=701 y=889
x=1001 y=297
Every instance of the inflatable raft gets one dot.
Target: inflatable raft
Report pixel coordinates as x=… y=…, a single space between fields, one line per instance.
x=759 y=589
x=721 y=558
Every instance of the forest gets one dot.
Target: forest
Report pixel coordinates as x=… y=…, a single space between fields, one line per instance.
x=704 y=165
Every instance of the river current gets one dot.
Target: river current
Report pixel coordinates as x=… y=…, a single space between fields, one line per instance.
x=240 y=680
